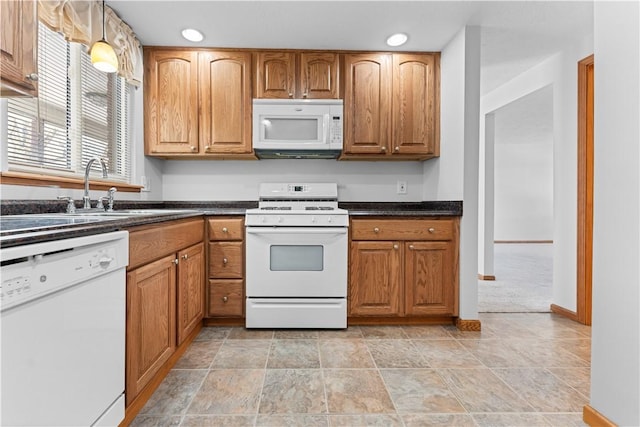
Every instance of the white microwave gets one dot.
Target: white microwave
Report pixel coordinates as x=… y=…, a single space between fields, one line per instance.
x=296 y=128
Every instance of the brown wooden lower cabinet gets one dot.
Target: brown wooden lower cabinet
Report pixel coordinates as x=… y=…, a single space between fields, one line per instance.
x=226 y=269
x=151 y=322
x=226 y=297
x=403 y=267
x=165 y=298
x=190 y=295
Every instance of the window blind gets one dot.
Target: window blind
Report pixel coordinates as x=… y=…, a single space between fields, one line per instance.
x=80 y=113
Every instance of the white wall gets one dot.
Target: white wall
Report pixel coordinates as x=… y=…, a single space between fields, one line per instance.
x=615 y=361
x=454 y=176
x=523 y=168
x=239 y=180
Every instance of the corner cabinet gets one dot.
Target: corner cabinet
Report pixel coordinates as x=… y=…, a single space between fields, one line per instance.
x=392 y=106
x=165 y=298
x=302 y=75
x=197 y=103
x=403 y=267
x=19 y=48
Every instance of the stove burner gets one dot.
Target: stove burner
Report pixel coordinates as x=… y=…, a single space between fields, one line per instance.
x=318 y=208
x=276 y=208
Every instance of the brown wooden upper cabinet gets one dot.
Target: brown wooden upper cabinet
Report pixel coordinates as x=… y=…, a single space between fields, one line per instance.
x=392 y=106
x=197 y=103
x=311 y=75
x=19 y=48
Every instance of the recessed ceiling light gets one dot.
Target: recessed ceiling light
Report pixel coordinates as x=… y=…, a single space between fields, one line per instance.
x=192 y=35
x=397 y=39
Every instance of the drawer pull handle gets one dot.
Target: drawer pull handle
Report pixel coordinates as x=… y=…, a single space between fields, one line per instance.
x=411 y=247
x=432 y=230
x=224 y=230
x=395 y=246
x=225 y=261
x=225 y=298
x=176 y=261
x=185 y=256
x=376 y=230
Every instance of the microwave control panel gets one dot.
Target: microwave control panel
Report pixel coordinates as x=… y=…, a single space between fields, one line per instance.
x=336 y=129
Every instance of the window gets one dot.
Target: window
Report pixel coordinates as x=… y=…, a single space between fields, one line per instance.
x=80 y=113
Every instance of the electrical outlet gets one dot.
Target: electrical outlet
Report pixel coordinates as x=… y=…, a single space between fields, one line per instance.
x=402 y=187
x=146 y=183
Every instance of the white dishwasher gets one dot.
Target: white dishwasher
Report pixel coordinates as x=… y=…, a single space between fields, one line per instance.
x=63 y=332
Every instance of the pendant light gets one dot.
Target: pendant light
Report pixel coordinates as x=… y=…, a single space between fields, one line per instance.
x=103 y=57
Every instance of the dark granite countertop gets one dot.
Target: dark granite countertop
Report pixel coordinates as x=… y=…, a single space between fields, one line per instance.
x=431 y=208
x=192 y=209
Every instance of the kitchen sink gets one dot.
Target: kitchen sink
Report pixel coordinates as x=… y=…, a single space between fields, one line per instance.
x=131 y=212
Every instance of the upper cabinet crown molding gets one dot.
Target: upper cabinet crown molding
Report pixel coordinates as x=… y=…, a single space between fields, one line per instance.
x=19 y=48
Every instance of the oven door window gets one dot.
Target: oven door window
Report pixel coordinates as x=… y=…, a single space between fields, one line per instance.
x=292 y=129
x=296 y=258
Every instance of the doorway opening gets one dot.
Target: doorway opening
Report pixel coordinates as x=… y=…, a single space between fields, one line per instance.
x=523 y=206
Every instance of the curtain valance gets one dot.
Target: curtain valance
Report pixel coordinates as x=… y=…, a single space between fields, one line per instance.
x=81 y=22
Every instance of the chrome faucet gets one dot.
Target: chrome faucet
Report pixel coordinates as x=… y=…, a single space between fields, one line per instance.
x=85 y=198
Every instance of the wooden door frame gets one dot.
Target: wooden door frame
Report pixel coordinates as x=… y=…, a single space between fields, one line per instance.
x=585 y=189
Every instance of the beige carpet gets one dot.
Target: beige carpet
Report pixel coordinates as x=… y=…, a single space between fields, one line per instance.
x=524 y=276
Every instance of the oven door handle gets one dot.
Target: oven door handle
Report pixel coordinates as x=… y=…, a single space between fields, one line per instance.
x=297 y=230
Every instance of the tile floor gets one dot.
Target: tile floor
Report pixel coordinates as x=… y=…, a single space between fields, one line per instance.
x=523 y=369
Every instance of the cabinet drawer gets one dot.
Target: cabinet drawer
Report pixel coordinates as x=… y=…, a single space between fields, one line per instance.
x=402 y=229
x=151 y=243
x=226 y=298
x=225 y=260
x=226 y=229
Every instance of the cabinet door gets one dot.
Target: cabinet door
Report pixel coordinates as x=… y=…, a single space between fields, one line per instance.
x=416 y=104
x=318 y=75
x=225 y=102
x=151 y=322
x=375 y=278
x=190 y=287
x=430 y=287
x=275 y=74
x=367 y=103
x=171 y=102
x=18 y=48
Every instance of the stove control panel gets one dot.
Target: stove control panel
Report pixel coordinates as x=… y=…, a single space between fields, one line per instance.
x=297 y=220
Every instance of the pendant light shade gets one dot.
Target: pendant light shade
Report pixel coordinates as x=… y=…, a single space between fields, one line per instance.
x=103 y=57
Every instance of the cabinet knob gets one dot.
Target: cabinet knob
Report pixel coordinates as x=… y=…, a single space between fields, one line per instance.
x=176 y=261
x=225 y=298
x=411 y=247
x=185 y=256
x=383 y=149
x=376 y=230
x=32 y=76
x=225 y=261
x=396 y=149
x=432 y=230
x=304 y=95
x=290 y=95
x=207 y=147
x=395 y=246
x=193 y=148
x=225 y=230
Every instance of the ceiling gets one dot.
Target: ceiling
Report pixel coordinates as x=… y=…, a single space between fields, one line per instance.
x=515 y=34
